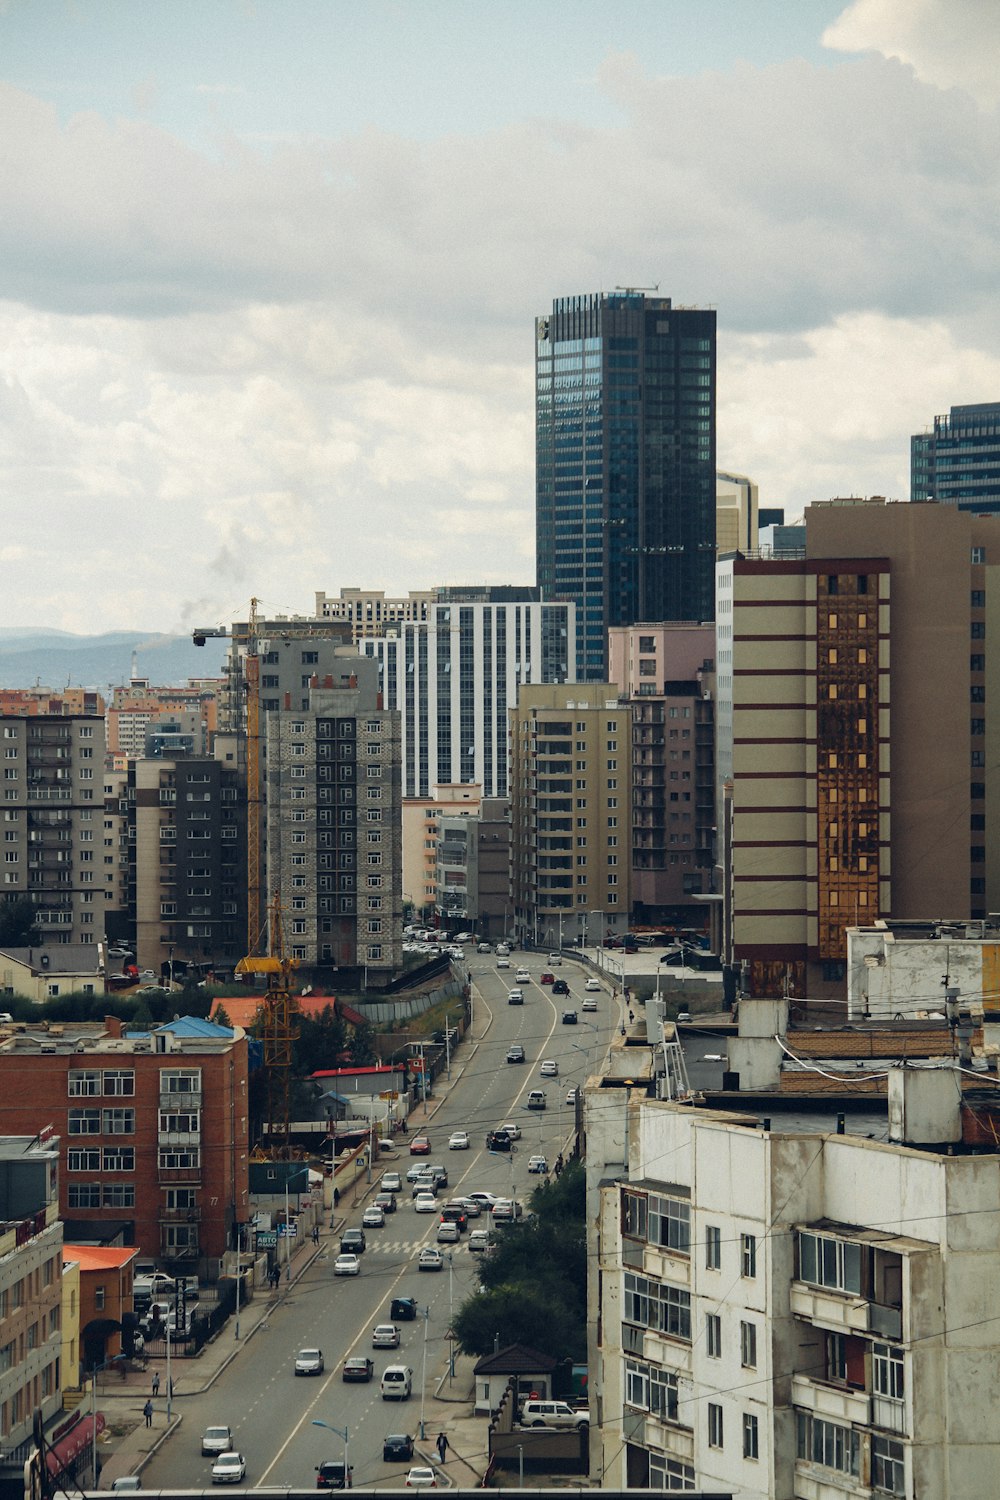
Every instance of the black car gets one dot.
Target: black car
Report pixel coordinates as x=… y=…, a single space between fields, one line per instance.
x=332 y=1475
x=403 y=1309
x=498 y=1140
x=358 y=1368
x=560 y=987
x=353 y=1242
x=398 y=1445
x=569 y=1018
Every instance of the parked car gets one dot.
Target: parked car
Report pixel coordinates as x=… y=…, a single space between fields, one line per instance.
x=397 y=1383
x=309 y=1362
x=359 y=1368
x=373 y=1216
x=217 y=1440
x=430 y=1259
x=458 y=1140
x=334 y=1474
x=536 y=1099
x=126 y=1484
x=391 y=1182
x=536 y=1413
x=549 y=1068
x=385 y=1336
x=347 y=1265
x=420 y=1146
x=421 y=1477
x=515 y=1053
x=229 y=1468
x=396 y=1446
x=560 y=987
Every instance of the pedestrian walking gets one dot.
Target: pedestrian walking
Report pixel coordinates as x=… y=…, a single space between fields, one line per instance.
x=147 y=1412
x=442 y=1447
x=631 y=1018
x=315 y=1234
x=156 y=1382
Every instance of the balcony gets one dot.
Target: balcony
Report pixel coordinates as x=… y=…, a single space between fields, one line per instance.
x=180 y=1215
x=845 y=1313
x=835 y=1403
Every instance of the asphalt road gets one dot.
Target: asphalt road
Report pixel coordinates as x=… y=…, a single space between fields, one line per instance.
x=270 y=1410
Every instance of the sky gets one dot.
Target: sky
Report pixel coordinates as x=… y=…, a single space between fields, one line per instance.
x=269 y=270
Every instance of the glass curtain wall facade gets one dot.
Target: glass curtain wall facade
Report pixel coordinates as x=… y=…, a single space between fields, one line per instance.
x=959 y=462
x=625 y=463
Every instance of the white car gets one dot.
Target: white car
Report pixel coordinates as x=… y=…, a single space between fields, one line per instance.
x=512 y=1129
x=503 y=963
x=479 y=1239
x=592 y=984
x=555 y=958
x=391 y=1182
x=347 y=1265
x=373 y=1217
x=537 y=1164
x=549 y=1068
x=571 y=1096
x=522 y=977
x=229 y=1468
x=217 y=1440
x=421 y=1478
x=309 y=1362
x=458 y=1140
x=385 y=1336
x=485 y=1200
x=589 y=1005
x=430 y=1259
x=425 y=1203
x=448 y=1234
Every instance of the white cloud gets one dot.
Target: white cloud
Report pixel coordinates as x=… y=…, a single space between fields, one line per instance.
x=950 y=43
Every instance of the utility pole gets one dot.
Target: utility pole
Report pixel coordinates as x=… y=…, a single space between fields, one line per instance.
x=423 y=1377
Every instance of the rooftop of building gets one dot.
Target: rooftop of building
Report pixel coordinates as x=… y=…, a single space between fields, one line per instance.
x=24 y=1147
x=99 y=1257
x=962 y=929
x=188 y=1035
x=60 y=958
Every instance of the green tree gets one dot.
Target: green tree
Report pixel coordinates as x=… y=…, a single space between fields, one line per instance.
x=17 y=924
x=221 y=1018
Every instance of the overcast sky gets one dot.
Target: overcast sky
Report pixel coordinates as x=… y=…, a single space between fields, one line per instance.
x=268 y=269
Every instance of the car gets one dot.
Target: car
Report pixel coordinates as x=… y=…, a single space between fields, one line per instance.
x=486 y=1200
x=483 y=948
x=515 y=1054
x=588 y=1005
x=455 y=952
x=229 y=1468
x=503 y=963
x=396 y=1446
x=358 y=1367
x=440 y=1173
x=347 y=1265
x=571 y=1096
x=537 y=1164
x=592 y=984
x=503 y=950
x=373 y=1216
x=538 y=1413
x=353 y=1242
x=535 y=1099
x=421 y=1477
x=683 y=1017
x=309 y=1362
x=479 y=1239
x=515 y=997
x=216 y=1440
x=424 y=1182
x=555 y=958
x=463 y=937
x=448 y=1232
x=397 y=1383
x=417 y=1170
x=334 y=1474
x=512 y=1128
x=547 y=977
x=473 y=1208
x=385 y=1336
x=420 y=1146
x=522 y=976
x=430 y=1259
x=560 y=987
x=549 y=1068
x=126 y=1484
x=391 y=1182
x=386 y=1202
x=499 y=1140
x=505 y=1210
x=569 y=1017
x=403 y=1309
x=425 y=1203
x=458 y=1140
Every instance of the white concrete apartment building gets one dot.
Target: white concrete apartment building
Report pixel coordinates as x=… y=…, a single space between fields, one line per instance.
x=781 y=1310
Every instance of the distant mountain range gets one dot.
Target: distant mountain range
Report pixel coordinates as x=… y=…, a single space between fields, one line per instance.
x=57 y=659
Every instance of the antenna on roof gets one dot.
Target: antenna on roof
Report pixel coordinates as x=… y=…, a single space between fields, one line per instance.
x=655 y=288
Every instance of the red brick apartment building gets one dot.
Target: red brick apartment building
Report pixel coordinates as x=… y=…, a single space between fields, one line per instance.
x=152 y=1130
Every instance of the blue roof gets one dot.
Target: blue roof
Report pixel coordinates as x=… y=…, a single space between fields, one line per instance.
x=194 y=1026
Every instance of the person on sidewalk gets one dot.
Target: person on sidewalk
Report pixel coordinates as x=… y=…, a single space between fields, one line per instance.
x=156 y=1382
x=442 y=1447
x=315 y=1234
x=147 y=1412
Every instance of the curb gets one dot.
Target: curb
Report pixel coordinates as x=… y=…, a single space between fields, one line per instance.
x=152 y=1452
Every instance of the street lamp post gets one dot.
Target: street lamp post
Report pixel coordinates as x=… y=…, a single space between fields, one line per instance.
x=93 y=1410
x=288 y=1238
x=343 y=1433
x=451 y=1316
x=423 y=1377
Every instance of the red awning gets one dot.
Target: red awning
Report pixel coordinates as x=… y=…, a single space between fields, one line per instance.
x=74 y=1443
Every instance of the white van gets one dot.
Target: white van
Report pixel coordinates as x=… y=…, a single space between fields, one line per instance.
x=397 y=1383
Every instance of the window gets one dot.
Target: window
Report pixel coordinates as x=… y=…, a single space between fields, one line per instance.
x=651 y=1389
x=118 y=1159
x=83 y=1083
x=670 y=1224
x=83 y=1159
x=118 y=1195
x=829 y=1444
x=887 y=1371
x=714 y=1425
x=85 y=1195
x=888 y=1466
x=748 y=1345
x=713 y=1247
x=84 y=1122
x=120 y=1081
x=713 y=1335
x=978 y=556
x=118 y=1121
x=99 y=1296
x=751 y=1436
x=180 y=1122
x=657 y=1305
x=173 y=1157
x=633 y=1215
x=748 y=1254
x=180 y=1081
x=829 y=1262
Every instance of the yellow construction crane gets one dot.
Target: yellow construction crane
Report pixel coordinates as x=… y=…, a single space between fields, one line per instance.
x=251 y=684
x=277 y=1027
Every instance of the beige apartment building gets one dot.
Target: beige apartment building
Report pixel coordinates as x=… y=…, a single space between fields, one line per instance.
x=571 y=812
x=369 y=613
x=421 y=830
x=736 y=511
x=853 y=725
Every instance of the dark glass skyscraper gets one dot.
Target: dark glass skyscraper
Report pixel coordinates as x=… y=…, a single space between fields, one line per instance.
x=625 y=463
x=959 y=462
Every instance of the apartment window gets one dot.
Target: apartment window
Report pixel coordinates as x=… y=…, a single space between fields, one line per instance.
x=714 y=1425
x=831 y=656
x=977 y=662
x=670 y=1224
x=119 y=1081
x=173 y=1157
x=83 y=1159
x=118 y=1159
x=84 y=1195
x=713 y=1335
x=748 y=1345
x=180 y=1081
x=633 y=1215
x=888 y=1473
x=83 y=1083
x=651 y=1389
x=828 y=1444
x=118 y=1121
x=84 y=1122
x=828 y=1262
x=887 y=1371
x=978 y=556
x=657 y=1305
x=99 y=1298
x=713 y=1247
x=831 y=691
x=751 y=1436
x=748 y=1254
x=118 y=1195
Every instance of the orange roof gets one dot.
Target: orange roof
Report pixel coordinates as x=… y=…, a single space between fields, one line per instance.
x=242 y=1010
x=100 y=1257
